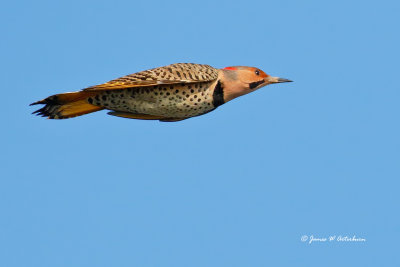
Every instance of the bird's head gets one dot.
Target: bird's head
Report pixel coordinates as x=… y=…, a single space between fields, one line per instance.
x=240 y=80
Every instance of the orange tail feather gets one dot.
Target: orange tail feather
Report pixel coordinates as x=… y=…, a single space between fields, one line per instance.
x=67 y=105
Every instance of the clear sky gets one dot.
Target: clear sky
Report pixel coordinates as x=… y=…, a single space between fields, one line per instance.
x=237 y=187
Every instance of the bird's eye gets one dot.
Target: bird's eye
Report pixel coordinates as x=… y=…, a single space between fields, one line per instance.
x=257 y=72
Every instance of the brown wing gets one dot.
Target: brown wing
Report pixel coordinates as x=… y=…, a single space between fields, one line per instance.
x=171 y=74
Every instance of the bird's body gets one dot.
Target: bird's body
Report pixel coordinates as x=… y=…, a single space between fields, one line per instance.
x=171 y=93
x=174 y=101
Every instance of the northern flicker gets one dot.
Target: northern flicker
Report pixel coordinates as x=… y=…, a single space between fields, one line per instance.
x=171 y=93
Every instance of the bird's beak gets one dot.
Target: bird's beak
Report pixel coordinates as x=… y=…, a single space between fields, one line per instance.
x=277 y=80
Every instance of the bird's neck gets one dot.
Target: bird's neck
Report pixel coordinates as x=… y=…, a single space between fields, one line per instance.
x=232 y=86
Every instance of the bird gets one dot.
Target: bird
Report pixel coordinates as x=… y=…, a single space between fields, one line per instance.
x=171 y=93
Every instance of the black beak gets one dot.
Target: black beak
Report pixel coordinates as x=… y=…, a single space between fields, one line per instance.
x=283 y=80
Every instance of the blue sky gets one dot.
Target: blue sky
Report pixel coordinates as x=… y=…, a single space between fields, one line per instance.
x=237 y=187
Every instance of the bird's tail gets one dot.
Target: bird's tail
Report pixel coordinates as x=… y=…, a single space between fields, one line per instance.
x=67 y=105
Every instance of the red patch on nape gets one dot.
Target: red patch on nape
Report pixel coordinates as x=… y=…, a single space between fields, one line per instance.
x=230 y=68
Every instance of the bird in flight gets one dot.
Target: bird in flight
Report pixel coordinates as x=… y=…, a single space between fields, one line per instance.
x=172 y=93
